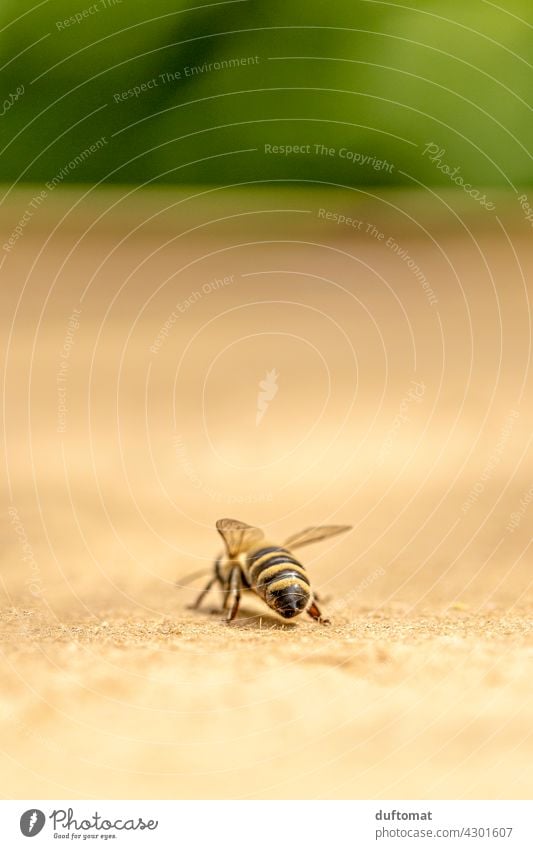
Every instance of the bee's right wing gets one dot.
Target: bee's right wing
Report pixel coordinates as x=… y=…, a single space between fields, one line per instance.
x=238 y=536
x=315 y=534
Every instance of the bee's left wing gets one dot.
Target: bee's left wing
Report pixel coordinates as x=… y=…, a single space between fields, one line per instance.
x=315 y=534
x=238 y=536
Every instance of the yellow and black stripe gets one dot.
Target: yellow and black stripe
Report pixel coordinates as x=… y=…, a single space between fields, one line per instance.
x=278 y=578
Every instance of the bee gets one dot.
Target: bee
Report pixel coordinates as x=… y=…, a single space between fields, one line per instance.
x=249 y=562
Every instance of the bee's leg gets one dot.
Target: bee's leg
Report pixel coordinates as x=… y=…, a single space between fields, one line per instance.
x=203 y=594
x=234 y=593
x=226 y=592
x=315 y=614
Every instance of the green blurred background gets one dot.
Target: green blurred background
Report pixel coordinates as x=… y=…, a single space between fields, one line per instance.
x=380 y=79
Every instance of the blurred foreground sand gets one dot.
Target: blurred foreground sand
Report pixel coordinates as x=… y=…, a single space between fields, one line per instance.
x=421 y=687
x=379 y=705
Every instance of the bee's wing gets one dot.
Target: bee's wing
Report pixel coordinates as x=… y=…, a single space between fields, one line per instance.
x=315 y=534
x=238 y=536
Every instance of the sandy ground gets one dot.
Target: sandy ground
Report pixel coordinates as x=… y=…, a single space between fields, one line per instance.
x=135 y=338
x=383 y=705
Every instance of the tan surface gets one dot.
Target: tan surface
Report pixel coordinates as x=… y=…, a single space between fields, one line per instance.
x=422 y=685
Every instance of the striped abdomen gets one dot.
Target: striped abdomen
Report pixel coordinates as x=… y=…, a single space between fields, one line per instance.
x=279 y=579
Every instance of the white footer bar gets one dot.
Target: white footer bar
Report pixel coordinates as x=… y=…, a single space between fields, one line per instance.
x=267 y=824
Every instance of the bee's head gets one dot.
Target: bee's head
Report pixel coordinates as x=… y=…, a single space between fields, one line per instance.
x=290 y=601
